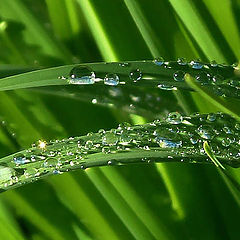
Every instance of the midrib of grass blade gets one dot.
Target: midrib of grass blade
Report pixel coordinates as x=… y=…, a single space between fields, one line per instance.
x=102 y=41
x=190 y=17
x=35 y=33
x=227 y=24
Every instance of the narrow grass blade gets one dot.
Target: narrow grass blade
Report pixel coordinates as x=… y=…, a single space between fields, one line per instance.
x=177 y=138
x=217 y=101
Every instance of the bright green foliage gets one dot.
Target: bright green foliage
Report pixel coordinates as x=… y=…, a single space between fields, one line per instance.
x=52 y=95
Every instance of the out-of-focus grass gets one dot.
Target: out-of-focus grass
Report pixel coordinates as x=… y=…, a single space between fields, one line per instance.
x=119 y=202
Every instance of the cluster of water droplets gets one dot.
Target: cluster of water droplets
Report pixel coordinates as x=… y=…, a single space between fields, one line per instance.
x=221 y=78
x=176 y=138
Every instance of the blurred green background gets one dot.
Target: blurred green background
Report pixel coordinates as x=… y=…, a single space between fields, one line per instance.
x=157 y=201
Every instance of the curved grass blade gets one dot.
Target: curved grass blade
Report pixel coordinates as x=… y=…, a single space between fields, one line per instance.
x=217 y=101
x=176 y=138
x=221 y=79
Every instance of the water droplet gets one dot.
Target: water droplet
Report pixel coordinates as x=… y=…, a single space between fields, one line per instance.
x=20 y=159
x=125 y=64
x=6 y=174
x=89 y=144
x=196 y=64
x=106 y=150
x=203 y=78
x=164 y=143
x=82 y=75
x=211 y=117
x=217 y=79
x=159 y=61
x=135 y=75
x=174 y=118
x=182 y=61
x=226 y=142
x=110 y=139
x=213 y=63
x=166 y=87
x=94 y=100
x=205 y=132
x=179 y=76
x=111 y=79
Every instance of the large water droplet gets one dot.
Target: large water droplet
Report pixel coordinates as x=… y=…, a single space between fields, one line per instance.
x=179 y=76
x=111 y=79
x=135 y=75
x=82 y=75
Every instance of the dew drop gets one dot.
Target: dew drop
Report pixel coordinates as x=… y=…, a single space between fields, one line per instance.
x=226 y=142
x=111 y=79
x=203 y=78
x=135 y=75
x=166 y=87
x=159 y=61
x=124 y=64
x=205 y=132
x=182 y=61
x=179 y=76
x=174 y=118
x=89 y=144
x=217 y=79
x=211 y=117
x=82 y=75
x=110 y=139
x=20 y=159
x=196 y=64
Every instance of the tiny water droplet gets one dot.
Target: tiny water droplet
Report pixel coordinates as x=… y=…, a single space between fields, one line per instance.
x=110 y=139
x=226 y=142
x=124 y=64
x=203 y=78
x=135 y=75
x=196 y=64
x=20 y=159
x=213 y=63
x=89 y=144
x=174 y=118
x=159 y=61
x=82 y=75
x=205 y=132
x=167 y=87
x=182 y=61
x=111 y=79
x=217 y=79
x=179 y=76
x=211 y=117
